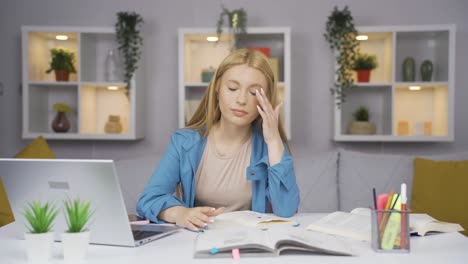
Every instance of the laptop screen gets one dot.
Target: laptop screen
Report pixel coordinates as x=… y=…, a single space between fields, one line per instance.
x=56 y=180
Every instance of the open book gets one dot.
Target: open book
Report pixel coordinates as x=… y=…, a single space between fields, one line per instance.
x=248 y=219
x=266 y=242
x=356 y=224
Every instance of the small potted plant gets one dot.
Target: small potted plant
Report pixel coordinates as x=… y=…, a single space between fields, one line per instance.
x=361 y=125
x=237 y=20
x=40 y=237
x=363 y=64
x=61 y=124
x=62 y=64
x=76 y=239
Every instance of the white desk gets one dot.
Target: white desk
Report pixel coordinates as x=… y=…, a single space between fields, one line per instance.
x=178 y=248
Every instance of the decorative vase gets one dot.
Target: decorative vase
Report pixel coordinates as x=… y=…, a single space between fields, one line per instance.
x=60 y=124
x=62 y=75
x=111 y=68
x=361 y=128
x=113 y=125
x=207 y=74
x=264 y=50
x=408 y=69
x=363 y=75
x=426 y=70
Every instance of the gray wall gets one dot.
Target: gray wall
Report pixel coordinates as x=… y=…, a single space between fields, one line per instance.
x=311 y=64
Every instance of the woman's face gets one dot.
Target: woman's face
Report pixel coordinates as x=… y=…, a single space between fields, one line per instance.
x=237 y=100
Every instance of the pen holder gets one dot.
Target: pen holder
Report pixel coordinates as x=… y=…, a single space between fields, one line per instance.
x=390 y=231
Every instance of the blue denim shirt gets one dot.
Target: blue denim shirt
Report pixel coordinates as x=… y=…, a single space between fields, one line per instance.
x=275 y=185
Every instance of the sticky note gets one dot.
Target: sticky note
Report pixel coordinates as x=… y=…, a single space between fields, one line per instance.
x=235 y=254
x=213 y=251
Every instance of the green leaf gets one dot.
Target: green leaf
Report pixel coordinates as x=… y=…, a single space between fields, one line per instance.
x=340 y=34
x=40 y=217
x=78 y=214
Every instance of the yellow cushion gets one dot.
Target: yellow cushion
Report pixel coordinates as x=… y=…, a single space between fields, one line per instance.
x=439 y=189
x=6 y=215
x=37 y=149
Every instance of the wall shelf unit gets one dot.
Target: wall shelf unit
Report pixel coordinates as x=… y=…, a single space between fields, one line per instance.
x=404 y=111
x=91 y=97
x=196 y=54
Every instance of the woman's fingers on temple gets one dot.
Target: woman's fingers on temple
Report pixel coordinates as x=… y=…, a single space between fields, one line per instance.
x=260 y=111
x=261 y=99
x=278 y=109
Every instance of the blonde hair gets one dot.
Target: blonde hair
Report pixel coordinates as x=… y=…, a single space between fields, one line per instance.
x=208 y=112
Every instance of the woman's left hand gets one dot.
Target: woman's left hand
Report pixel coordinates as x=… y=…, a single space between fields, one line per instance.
x=270 y=118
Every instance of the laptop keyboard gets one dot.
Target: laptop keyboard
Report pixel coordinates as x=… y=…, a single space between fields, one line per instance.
x=138 y=234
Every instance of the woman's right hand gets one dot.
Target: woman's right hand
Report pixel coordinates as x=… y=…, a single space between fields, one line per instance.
x=192 y=218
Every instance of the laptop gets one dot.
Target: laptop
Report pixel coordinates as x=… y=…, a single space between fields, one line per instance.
x=56 y=180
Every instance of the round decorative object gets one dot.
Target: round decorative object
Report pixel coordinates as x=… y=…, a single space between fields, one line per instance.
x=60 y=124
x=408 y=69
x=113 y=125
x=361 y=128
x=426 y=70
x=207 y=74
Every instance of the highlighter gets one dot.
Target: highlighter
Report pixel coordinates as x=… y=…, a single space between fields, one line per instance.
x=392 y=229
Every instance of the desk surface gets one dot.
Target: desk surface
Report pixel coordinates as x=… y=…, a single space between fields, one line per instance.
x=178 y=248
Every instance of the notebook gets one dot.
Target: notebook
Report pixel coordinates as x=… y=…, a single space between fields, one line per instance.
x=55 y=180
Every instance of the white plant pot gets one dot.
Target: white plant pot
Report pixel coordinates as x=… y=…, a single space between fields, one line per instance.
x=75 y=245
x=39 y=246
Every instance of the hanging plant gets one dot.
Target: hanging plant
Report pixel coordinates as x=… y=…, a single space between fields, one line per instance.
x=341 y=35
x=237 y=19
x=130 y=41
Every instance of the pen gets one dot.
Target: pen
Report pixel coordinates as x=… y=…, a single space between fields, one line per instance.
x=403 y=233
x=378 y=218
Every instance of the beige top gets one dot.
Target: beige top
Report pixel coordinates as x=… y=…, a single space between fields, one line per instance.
x=221 y=179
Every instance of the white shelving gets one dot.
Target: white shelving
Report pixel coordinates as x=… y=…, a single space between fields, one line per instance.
x=87 y=92
x=401 y=114
x=197 y=54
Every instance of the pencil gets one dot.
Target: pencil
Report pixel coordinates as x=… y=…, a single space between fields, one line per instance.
x=385 y=215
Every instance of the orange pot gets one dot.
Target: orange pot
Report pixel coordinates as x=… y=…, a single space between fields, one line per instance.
x=363 y=75
x=62 y=75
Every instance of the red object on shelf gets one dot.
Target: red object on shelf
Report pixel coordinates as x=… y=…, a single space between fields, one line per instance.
x=62 y=75
x=264 y=50
x=363 y=75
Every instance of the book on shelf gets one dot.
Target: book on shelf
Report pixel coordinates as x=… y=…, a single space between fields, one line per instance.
x=357 y=224
x=252 y=241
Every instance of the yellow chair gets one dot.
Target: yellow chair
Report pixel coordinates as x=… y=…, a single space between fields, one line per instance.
x=37 y=149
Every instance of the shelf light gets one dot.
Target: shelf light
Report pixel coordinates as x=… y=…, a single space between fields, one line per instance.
x=362 y=37
x=61 y=37
x=112 y=87
x=212 y=39
x=415 y=88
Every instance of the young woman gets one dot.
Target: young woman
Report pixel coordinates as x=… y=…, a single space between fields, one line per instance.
x=233 y=154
